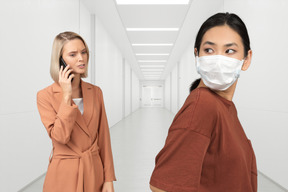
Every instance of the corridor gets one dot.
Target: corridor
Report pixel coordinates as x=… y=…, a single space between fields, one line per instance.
x=136 y=140
x=144 y=56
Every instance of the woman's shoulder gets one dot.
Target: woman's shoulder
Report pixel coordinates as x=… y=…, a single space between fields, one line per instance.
x=97 y=90
x=54 y=87
x=198 y=113
x=90 y=85
x=202 y=99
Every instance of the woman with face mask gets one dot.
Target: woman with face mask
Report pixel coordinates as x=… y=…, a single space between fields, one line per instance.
x=206 y=149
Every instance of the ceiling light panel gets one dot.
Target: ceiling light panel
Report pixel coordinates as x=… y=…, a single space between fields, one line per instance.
x=152 y=75
x=152 y=61
x=152 y=70
x=152 y=78
x=151 y=44
x=152 y=66
x=152 y=29
x=152 y=54
x=152 y=2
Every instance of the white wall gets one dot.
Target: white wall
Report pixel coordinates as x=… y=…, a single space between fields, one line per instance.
x=115 y=80
x=109 y=73
x=27 y=32
x=174 y=90
x=167 y=93
x=262 y=91
x=187 y=73
x=128 y=89
x=135 y=92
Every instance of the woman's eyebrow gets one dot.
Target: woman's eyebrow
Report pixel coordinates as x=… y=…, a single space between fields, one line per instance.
x=209 y=43
x=231 y=44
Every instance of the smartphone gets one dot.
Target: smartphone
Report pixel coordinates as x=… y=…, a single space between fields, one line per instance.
x=62 y=63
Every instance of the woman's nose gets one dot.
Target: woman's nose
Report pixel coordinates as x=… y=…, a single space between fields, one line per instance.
x=80 y=57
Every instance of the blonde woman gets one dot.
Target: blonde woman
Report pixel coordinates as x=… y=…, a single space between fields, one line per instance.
x=73 y=114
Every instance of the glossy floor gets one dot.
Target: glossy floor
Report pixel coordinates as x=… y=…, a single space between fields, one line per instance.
x=136 y=140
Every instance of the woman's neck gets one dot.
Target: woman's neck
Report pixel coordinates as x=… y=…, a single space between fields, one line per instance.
x=227 y=94
x=76 y=82
x=76 y=87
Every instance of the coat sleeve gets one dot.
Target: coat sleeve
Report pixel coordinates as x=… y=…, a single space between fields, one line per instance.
x=105 y=143
x=59 y=125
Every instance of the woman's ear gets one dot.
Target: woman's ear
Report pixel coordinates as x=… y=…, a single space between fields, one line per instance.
x=247 y=61
x=195 y=52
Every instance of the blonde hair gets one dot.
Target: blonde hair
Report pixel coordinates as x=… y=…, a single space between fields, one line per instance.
x=57 y=50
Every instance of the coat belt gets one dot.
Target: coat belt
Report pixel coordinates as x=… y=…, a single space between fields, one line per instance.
x=86 y=175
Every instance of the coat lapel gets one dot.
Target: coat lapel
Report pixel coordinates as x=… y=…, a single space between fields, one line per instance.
x=88 y=101
x=81 y=120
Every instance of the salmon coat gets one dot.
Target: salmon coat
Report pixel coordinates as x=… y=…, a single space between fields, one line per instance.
x=82 y=157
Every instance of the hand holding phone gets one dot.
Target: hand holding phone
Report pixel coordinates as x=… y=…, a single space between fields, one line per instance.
x=63 y=63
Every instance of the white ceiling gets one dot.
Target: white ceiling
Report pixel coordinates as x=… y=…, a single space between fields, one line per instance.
x=118 y=17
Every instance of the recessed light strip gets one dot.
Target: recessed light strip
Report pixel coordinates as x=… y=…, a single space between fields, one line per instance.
x=159 y=44
x=152 y=54
x=152 y=61
x=149 y=73
x=152 y=69
x=152 y=29
x=152 y=2
x=152 y=66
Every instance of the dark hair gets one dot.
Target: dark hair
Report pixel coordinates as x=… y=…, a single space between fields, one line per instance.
x=220 y=19
x=194 y=85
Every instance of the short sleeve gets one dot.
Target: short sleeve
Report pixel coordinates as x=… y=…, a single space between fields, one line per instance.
x=179 y=163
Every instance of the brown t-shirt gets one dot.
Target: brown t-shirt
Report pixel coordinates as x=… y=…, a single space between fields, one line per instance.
x=206 y=149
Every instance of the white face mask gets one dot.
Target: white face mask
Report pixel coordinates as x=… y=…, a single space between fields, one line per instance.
x=218 y=72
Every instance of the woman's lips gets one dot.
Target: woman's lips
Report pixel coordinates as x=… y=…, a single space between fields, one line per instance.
x=81 y=66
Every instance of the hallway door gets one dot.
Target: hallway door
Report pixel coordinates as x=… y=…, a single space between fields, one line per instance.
x=152 y=96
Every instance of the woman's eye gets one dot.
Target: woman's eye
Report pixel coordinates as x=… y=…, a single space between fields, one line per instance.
x=208 y=50
x=72 y=55
x=84 y=52
x=230 y=51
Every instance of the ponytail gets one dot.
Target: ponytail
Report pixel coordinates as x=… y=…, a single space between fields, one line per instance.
x=194 y=85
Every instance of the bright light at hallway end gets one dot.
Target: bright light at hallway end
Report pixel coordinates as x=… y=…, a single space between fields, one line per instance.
x=152 y=2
